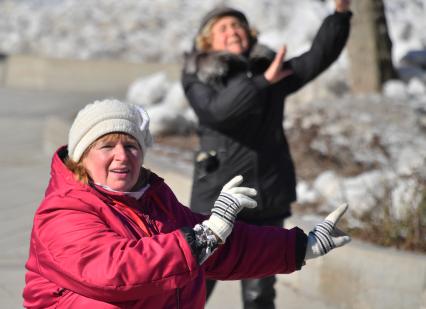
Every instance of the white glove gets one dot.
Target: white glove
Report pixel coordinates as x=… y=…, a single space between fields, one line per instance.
x=325 y=236
x=232 y=199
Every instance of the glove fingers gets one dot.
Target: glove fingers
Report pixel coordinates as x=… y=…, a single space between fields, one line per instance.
x=341 y=240
x=335 y=216
x=243 y=190
x=247 y=202
x=233 y=182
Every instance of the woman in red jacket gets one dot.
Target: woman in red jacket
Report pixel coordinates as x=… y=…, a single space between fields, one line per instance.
x=111 y=234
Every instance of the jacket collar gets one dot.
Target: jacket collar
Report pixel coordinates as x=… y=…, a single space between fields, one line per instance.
x=212 y=66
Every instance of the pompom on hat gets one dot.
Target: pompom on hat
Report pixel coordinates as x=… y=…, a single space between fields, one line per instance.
x=107 y=116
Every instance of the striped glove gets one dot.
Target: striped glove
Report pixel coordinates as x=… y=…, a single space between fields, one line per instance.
x=232 y=199
x=325 y=236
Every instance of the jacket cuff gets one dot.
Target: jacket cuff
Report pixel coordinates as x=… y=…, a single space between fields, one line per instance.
x=301 y=243
x=260 y=81
x=189 y=235
x=343 y=15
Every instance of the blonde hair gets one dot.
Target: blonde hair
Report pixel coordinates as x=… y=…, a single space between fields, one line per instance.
x=203 y=39
x=77 y=168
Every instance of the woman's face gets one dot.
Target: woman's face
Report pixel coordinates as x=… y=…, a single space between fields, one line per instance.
x=229 y=34
x=114 y=162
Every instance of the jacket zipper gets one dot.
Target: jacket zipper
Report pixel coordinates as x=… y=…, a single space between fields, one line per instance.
x=178 y=298
x=59 y=292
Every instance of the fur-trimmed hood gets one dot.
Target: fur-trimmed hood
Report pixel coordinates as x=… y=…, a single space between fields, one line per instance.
x=214 y=67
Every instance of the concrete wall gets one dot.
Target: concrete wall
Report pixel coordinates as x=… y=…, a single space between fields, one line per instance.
x=103 y=76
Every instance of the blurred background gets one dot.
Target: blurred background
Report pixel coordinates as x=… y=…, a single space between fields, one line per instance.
x=357 y=133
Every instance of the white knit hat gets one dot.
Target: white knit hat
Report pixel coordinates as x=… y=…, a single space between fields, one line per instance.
x=107 y=116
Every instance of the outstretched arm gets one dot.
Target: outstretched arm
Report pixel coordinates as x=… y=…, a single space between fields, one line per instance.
x=254 y=251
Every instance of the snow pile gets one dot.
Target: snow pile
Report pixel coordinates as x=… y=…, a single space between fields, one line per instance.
x=165 y=102
x=385 y=135
x=406 y=23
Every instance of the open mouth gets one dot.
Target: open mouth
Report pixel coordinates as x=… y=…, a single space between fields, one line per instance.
x=120 y=171
x=234 y=41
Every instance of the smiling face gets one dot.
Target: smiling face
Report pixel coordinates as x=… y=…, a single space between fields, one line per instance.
x=229 y=34
x=114 y=160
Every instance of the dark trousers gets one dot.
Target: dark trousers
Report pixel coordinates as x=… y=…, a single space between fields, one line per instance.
x=256 y=293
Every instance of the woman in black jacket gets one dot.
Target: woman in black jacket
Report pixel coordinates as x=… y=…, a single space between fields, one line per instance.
x=237 y=89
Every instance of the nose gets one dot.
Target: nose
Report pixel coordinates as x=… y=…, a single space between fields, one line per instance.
x=120 y=153
x=232 y=30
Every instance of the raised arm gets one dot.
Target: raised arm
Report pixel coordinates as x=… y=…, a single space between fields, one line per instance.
x=325 y=49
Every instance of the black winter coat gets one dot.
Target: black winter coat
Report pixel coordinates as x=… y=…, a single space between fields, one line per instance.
x=241 y=119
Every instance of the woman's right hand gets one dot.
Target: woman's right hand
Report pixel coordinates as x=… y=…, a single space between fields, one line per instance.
x=275 y=72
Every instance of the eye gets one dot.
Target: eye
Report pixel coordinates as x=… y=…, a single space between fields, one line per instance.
x=222 y=29
x=237 y=25
x=106 y=146
x=131 y=146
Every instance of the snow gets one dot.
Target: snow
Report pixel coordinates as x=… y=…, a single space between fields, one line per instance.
x=384 y=132
x=148 y=90
x=395 y=89
x=162 y=30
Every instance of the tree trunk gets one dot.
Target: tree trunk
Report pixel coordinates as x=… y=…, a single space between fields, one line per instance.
x=369 y=47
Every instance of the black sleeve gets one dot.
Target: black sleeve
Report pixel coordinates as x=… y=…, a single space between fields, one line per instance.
x=189 y=235
x=301 y=243
x=325 y=49
x=201 y=240
x=221 y=108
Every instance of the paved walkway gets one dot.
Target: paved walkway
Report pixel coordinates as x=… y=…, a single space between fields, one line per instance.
x=25 y=118
x=24 y=175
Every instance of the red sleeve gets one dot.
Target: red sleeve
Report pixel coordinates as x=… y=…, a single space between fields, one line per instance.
x=254 y=252
x=250 y=251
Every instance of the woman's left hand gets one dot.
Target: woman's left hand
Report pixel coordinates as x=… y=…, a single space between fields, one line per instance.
x=326 y=236
x=343 y=5
x=232 y=199
x=275 y=72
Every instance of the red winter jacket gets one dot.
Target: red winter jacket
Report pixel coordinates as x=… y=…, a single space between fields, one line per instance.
x=85 y=252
